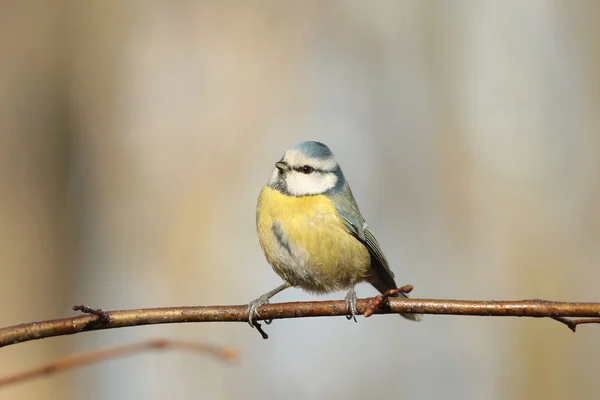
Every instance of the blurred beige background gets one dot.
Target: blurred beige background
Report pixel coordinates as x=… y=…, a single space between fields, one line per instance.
x=135 y=137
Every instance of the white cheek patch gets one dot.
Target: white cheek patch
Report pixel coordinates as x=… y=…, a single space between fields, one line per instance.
x=295 y=158
x=300 y=184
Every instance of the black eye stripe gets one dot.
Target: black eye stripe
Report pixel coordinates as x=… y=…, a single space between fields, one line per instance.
x=307 y=169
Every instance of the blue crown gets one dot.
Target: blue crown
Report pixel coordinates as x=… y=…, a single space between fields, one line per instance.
x=313 y=149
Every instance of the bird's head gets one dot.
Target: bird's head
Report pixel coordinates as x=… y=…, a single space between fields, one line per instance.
x=307 y=169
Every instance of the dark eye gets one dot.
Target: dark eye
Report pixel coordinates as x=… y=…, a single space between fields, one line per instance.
x=307 y=169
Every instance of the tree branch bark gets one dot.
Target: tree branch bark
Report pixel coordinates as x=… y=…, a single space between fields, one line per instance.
x=560 y=311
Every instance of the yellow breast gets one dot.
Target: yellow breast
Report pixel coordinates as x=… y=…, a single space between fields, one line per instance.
x=307 y=243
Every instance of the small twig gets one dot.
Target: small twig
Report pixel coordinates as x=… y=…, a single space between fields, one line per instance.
x=572 y=323
x=381 y=301
x=103 y=316
x=77 y=360
x=95 y=311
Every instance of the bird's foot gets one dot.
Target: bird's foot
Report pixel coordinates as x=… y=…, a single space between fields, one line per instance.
x=351 y=304
x=254 y=306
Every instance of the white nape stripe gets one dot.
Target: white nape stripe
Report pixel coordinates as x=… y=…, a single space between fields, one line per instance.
x=300 y=184
x=295 y=158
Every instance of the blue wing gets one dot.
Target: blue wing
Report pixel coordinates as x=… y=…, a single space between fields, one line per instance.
x=348 y=209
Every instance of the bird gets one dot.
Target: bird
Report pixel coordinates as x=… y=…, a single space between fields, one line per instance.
x=312 y=233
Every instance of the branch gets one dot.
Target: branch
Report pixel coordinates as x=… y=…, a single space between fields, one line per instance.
x=78 y=360
x=168 y=315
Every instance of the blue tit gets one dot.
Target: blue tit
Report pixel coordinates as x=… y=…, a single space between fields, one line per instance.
x=312 y=233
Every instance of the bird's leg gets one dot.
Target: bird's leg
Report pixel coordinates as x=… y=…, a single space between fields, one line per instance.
x=351 y=302
x=254 y=305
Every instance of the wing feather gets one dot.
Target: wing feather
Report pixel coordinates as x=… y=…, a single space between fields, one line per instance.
x=379 y=263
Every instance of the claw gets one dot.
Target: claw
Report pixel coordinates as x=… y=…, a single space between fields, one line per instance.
x=351 y=304
x=254 y=306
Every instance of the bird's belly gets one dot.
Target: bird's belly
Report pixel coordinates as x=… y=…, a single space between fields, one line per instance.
x=308 y=245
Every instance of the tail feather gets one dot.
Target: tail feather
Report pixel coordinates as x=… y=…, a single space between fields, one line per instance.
x=412 y=317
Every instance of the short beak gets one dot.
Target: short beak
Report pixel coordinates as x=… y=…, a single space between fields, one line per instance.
x=282 y=166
